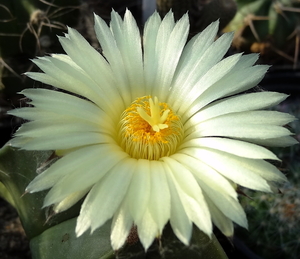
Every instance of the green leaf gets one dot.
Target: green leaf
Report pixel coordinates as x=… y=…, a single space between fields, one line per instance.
x=60 y=241
x=17 y=169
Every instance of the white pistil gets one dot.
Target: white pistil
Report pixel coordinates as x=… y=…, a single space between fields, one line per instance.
x=154 y=119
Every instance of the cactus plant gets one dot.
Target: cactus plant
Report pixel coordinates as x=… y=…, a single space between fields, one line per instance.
x=274 y=227
x=268 y=26
x=274 y=219
x=201 y=12
x=28 y=28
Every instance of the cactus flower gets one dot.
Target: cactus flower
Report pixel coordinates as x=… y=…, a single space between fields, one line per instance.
x=152 y=130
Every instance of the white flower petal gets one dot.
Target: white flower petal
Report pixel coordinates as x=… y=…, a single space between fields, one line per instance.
x=179 y=220
x=159 y=202
x=91 y=62
x=149 y=43
x=69 y=201
x=189 y=64
x=72 y=79
x=54 y=101
x=217 y=188
x=86 y=174
x=239 y=103
x=235 y=147
x=219 y=219
x=62 y=141
x=205 y=173
x=227 y=205
x=190 y=195
x=128 y=41
x=168 y=59
x=147 y=229
x=139 y=190
x=215 y=74
x=106 y=195
x=206 y=63
x=121 y=225
x=113 y=56
x=248 y=60
x=62 y=167
x=32 y=113
x=274 y=142
x=237 y=81
x=250 y=173
x=255 y=124
x=46 y=128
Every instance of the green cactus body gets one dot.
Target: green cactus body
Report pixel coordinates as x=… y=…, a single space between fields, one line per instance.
x=268 y=23
x=274 y=223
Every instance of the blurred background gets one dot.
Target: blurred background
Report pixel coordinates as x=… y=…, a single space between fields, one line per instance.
x=29 y=28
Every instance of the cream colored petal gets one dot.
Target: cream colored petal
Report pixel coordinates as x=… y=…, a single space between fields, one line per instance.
x=90 y=60
x=239 y=103
x=105 y=91
x=227 y=205
x=49 y=80
x=121 y=226
x=87 y=174
x=131 y=51
x=205 y=173
x=169 y=58
x=147 y=229
x=106 y=195
x=216 y=187
x=250 y=173
x=190 y=63
x=153 y=75
x=71 y=79
x=159 y=201
x=201 y=79
x=128 y=40
x=62 y=141
x=259 y=117
x=32 y=113
x=114 y=58
x=64 y=166
x=149 y=42
x=69 y=201
x=222 y=222
x=190 y=195
x=274 y=142
x=255 y=124
x=139 y=190
x=235 y=82
x=215 y=74
x=179 y=220
x=46 y=128
x=62 y=103
x=247 y=60
x=235 y=147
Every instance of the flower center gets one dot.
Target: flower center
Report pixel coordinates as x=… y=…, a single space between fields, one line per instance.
x=149 y=129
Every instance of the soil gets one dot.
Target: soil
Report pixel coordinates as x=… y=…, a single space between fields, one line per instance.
x=13 y=241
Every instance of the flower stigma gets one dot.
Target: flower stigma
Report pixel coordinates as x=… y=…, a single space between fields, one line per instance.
x=149 y=129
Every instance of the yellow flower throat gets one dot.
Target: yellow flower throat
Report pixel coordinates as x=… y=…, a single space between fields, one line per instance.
x=149 y=129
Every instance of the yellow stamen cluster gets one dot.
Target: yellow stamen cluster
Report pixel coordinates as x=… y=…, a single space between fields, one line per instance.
x=149 y=129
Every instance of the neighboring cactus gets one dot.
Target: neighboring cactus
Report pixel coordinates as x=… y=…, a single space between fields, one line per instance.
x=201 y=12
x=274 y=223
x=269 y=27
x=28 y=28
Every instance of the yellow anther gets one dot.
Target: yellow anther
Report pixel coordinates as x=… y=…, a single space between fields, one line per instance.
x=149 y=129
